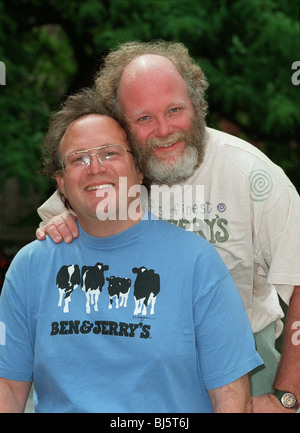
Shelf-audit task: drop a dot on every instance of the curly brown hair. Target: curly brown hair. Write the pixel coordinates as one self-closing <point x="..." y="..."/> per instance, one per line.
<point x="108" y="78"/>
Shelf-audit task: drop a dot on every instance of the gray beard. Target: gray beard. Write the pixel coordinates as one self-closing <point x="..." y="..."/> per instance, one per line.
<point x="164" y="171"/>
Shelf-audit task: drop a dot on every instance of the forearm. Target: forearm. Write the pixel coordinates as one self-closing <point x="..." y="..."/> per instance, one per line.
<point x="288" y="375"/>
<point x="52" y="207"/>
<point x="232" y="398"/>
<point x="13" y="396"/>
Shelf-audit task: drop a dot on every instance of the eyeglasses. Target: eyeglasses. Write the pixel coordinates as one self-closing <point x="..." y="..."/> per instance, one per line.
<point x="76" y="162"/>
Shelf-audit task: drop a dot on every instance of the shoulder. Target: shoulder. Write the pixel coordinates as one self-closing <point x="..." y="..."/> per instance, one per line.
<point x="194" y="255"/>
<point x="188" y="242"/>
<point x="35" y="254"/>
<point x="232" y="143"/>
<point x="37" y="247"/>
<point x="236" y="154"/>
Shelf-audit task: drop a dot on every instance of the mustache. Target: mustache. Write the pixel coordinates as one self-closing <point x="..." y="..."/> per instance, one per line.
<point x="172" y="138"/>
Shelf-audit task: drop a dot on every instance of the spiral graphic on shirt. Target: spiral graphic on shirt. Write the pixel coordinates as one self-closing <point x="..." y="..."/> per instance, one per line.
<point x="261" y="185"/>
<point x="221" y="207"/>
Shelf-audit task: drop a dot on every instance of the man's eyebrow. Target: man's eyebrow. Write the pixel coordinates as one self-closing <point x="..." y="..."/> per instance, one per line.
<point x="92" y="148"/>
<point x="138" y="113"/>
<point x="145" y="112"/>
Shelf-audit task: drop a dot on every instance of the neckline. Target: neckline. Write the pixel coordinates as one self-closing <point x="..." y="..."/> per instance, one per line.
<point x="120" y="238"/>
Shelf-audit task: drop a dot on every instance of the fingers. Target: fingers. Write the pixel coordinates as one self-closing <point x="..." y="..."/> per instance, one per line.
<point x="60" y="227"/>
<point x="53" y="228"/>
<point x="40" y="234"/>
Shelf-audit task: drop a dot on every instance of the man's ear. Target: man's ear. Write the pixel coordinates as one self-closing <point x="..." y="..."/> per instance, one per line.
<point x="60" y="182"/>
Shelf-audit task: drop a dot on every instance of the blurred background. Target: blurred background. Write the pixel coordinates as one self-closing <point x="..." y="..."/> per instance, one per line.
<point x="52" y="48"/>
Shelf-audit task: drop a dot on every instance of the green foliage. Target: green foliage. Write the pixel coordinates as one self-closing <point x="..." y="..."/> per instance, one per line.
<point x="252" y="73"/>
<point x="52" y="48"/>
<point x="37" y="76"/>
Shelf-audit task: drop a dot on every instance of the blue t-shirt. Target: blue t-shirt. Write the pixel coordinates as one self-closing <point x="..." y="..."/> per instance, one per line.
<point x="143" y="321"/>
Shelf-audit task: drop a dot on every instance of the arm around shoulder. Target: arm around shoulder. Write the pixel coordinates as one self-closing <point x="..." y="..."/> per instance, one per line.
<point x="59" y="223"/>
<point x="51" y="207"/>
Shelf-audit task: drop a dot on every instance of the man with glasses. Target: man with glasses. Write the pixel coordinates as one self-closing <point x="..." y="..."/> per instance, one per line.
<point x="136" y="315"/>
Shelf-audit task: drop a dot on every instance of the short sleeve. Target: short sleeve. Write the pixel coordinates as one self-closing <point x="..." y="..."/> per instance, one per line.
<point x="279" y="240"/>
<point x="16" y="354"/>
<point x="224" y="337"/>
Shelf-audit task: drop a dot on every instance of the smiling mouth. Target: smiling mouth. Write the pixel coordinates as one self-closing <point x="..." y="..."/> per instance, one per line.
<point x="169" y="146"/>
<point x="166" y="145"/>
<point x="97" y="187"/>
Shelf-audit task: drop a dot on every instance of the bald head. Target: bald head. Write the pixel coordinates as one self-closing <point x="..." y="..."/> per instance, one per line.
<point x="148" y="63"/>
<point x="144" y="71"/>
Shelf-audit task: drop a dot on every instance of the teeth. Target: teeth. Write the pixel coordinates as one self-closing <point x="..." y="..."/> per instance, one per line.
<point x="166" y="144"/>
<point x="106" y="185"/>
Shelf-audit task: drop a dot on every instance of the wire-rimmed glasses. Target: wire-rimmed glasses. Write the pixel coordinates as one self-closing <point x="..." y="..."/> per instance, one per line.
<point x="74" y="163"/>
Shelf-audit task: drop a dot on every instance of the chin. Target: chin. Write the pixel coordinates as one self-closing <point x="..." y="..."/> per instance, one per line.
<point x="172" y="169"/>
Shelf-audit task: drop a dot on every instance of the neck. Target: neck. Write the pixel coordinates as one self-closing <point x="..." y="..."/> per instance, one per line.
<point x="108" y="227"/>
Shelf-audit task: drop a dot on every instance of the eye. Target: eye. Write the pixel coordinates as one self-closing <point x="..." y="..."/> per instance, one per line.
<point x="109" y="154"/>
<point x="143" y="119"/>
<point x="175" y="110"/>
<point x="78" y="159"/>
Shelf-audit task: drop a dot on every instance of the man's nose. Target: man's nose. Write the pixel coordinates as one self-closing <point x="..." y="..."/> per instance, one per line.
<point x="96" y="164"/>
<point x="163" y="126"/>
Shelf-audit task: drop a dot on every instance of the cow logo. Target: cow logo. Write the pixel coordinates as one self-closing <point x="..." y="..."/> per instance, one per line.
<point x="146" y="288"/>
<point x="92" y="280"/>
<point x="118" y="288"/>
<point x="67" y="280"/>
